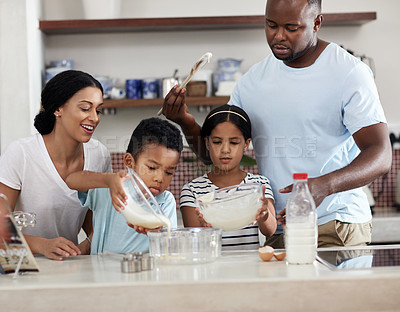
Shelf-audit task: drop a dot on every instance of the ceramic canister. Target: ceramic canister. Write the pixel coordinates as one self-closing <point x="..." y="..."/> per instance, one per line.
<point x="150" y="88"/>
<point x="168" y="84"/>
<point x="133" y="88"/>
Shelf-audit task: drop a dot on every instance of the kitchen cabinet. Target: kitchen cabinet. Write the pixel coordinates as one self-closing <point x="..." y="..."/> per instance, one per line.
<point x="60" y="27"/>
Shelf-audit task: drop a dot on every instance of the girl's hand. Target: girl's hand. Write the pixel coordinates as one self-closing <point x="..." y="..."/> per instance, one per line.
<point x="118" y="196"/>
<point x="203" y="222"/>
<point x="263" y="212"/>
<point x="59" y="248"/>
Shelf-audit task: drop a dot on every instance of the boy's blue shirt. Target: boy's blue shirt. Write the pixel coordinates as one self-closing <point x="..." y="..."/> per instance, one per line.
<point x="110" y="230"/>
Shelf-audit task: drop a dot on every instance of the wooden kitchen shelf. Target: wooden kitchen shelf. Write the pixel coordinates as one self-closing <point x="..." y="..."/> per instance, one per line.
<point x="190" y="101"/>
<point x="184" y="23"/>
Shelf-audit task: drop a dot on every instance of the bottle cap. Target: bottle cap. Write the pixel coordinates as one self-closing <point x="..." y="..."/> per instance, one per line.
<point x="300" y="176"/>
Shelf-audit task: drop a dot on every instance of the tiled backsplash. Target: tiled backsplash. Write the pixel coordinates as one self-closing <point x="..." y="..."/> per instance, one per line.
<point x="383" y="189"/>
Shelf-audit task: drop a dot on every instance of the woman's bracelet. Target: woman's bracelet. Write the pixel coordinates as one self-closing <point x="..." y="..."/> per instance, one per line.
<point x="88" y="239"/>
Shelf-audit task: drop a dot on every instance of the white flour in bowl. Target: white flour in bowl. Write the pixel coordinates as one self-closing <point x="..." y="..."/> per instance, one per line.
<point x="232" y="214"/>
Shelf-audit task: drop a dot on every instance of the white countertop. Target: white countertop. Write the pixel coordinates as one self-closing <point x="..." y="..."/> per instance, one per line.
<point x="386" y="228"/>
<point x="238" y="281"/>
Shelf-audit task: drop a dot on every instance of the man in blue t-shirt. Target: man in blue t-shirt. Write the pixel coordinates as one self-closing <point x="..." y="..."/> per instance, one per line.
<point x="314" y="108"/>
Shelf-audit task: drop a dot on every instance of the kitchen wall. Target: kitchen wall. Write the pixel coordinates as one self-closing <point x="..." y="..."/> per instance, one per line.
<point x="157" y="54"/>
<point x="21" y="62"/>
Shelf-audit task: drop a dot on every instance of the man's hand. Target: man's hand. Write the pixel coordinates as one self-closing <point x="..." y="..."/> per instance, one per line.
<point x="175" y="108"/>
<point x="319" y="189"/>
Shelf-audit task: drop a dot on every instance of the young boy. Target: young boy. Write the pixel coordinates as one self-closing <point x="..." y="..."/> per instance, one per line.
<point x="153" y="153"/>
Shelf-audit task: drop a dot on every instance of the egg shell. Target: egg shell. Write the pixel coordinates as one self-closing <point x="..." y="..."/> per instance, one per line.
<point x="280" y="255"/>
<point x="266" y="253"/>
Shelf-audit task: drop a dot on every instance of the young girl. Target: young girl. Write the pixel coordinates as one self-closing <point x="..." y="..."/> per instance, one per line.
<point x="227" y="134"/>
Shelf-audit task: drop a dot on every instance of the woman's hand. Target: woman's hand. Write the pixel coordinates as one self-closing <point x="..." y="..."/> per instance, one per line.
<point x="59" y="248"/>
<point x="84" y="247"/>
<point x="118" y="196"/>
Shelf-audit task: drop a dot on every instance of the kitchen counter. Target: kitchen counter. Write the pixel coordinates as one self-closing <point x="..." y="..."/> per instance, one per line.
<point x="386" y="228"/>
<point x="237" y="281"/>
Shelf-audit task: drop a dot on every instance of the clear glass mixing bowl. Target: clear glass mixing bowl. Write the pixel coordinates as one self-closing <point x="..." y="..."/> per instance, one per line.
<point x="185" y="246"/>
<point x="233" y="207"/>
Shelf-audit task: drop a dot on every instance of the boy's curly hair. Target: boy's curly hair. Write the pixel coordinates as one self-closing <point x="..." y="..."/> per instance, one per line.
<point x="154" y="131"/>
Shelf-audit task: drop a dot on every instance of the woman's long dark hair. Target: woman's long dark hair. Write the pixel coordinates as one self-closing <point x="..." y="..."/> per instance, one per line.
<point x="57" y="92"/>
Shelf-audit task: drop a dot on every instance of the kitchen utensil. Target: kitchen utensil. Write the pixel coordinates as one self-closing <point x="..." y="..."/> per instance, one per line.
<point x="206" y="58"/>
<point x="233" y="207"/>
<point x="24" y="219"/>
<point x="167" y="84"/>
<point x="147" y="262"/>
<point x="131" y="264"/>
<point x="185" y="245"/>
<point x="142" y="208"/>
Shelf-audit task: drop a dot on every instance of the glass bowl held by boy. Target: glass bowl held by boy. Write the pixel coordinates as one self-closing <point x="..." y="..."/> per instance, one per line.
<point x="142" y="208"/>
<point x="231" y="208"/>
<point x="185" y="246"/>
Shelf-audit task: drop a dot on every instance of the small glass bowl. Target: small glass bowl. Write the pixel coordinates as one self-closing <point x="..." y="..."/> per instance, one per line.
<point x="185" y="246"/>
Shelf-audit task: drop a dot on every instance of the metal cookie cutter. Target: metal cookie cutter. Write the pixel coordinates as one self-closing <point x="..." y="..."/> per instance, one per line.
<point x="147" y="262"/>
<point x="131" y="263"/>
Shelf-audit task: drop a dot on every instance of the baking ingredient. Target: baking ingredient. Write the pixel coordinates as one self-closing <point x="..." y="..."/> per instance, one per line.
<point x="266" y="253"/>
<point x="136" y="215"/>
<point x="300" y="243"/>
<point x="280" y="255"/>
<point x="301" y="223"/>
<point x="233" y="214"/>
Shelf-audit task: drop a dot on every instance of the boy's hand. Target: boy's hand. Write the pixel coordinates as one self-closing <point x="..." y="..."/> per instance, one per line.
<point x="141" y="229"/>
<point x="118" y="196"/>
